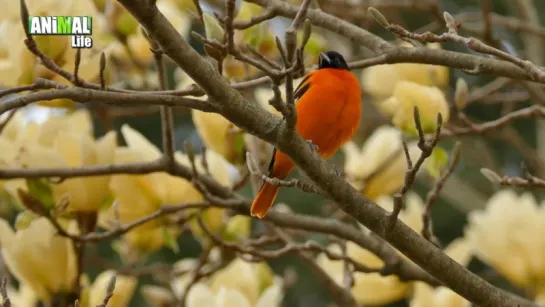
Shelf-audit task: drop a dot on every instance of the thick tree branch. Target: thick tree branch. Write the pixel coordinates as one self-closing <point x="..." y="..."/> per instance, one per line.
<point x="391" y="54"/>
<point x="86" y="95"/>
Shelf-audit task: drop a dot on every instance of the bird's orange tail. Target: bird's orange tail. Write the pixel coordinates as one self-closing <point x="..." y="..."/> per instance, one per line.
<point x="264" y="200"/>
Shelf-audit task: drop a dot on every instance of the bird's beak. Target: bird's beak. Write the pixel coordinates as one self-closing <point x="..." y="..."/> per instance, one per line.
<point x="323" y="58"/>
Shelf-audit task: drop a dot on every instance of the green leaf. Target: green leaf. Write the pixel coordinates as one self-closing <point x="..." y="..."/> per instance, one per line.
<point x="436" y="162"/>
<point x="24" y="219"/>
<point x="170" y="241"/>
<point x="42" y="191"/>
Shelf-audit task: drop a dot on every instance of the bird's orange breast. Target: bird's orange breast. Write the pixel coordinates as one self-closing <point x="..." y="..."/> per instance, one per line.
<point x="329" y="111"/>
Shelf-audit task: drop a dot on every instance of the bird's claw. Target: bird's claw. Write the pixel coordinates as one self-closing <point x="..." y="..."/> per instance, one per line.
<point x="338" y="172"/>
<point x="313" y="146"/>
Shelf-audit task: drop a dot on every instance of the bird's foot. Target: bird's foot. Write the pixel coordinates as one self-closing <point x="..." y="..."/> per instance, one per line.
<point x="338" y="172"/>
<point x="313" y="146"/>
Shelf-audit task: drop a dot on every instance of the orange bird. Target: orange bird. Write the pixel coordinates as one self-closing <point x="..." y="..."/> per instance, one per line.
<point x="328" y="112"/>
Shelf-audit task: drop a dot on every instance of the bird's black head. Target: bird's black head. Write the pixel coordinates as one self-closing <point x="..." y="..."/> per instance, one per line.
<point x="332" y="59"/>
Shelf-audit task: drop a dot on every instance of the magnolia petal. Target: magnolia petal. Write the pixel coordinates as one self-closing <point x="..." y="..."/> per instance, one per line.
<point x="380" y="80"/>
<point x="231" y="298"/>
<point x="138" y="142"/>
<point x="156" y="296"/>
<point x="424" y="295"/>
<point x="212" y="129"/>
<point x="40" y="259"/>
<point x="271" y="297"/>
<point x="123" y="292"/>
<point x="459" y="250"/>
<point x="200" y="295"/>
<point x="239" y="275"/>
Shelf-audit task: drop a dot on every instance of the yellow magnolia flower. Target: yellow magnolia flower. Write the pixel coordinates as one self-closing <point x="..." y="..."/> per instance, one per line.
<point x="39" y="258"/>
<point x="213" y="130"/>
<point x="506" y="236"/>
<point x="15" y="60"/>
<point x="18" y="66"/>
<point x="56" y="144"/>
<point x="19" y="133"/>
<point x="540" y="299"/>
<point x="138" y="45"/>
<point x="429" y="100"/>
<point x="119" y="19"/>
<point x="182" y="280"/>
<point x="380" y="80"/>
<point x="123" y="292"/>
<point x="78" y="150"/>
<point x="424" y="295"/>
<point x="22" y="297"/>
<point x="216" y="132"/>
<point x="15" y="126"/>
<point x="240" y="284"/>
<point x="378" y="168"/>
<point x="372" y="288"/>
<point x="248" y="10"/>
<point x="140" y="195"/>
<point x="79" y="122"/>
<point x="186" y="6"/>
<point x="157" y="296"/>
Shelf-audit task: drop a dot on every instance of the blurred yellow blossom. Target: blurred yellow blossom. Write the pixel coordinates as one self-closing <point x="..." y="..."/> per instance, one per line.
<point x="137" y="45"/>
<point x="86" y="194"/>
<point x="506" y="236"/>
<point x="219" y="135"/>
<point x="213" y="129"/>
<point x="248" y="10"/>
<point x="186" y="6"/>
<point x="214" y="218"/>
<point x="140" y="195"/>
<point x="239" y="284"/>
<point x="66" y="141"/>
<point x="123" y="292"/>
<point x="425" y="295"/>
<point x="378" y="168"/>
<point x="39" y="258"/>
<point x="372" y="288"/>
<point x="22" y="297"/>
<point x="187" y="267"/>
<point x="540" y="299"/>
<point x="379" y="81"/>
<point x="407" y="95"/>
<point x="19" y="66"/>
<point x="235" y="70"/>
<point x="156" y="296"/>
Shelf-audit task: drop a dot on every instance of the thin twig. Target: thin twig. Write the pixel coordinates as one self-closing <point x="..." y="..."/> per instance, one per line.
<point x="305" y="186"/>
<point x="167" y="116"/>
<point x="6" y="302"/>
<point x="432" y="196"/>
<point x="410" y="176"/>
